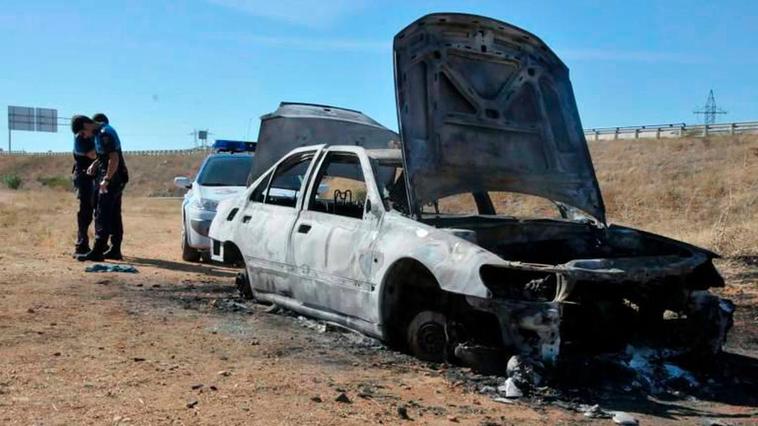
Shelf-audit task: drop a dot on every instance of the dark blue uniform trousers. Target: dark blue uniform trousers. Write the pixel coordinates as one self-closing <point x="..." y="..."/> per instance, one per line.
<point x="108" y="217"/>
<point x="85" y="192"/>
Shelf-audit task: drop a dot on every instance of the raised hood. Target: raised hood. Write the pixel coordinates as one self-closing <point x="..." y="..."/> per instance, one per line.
<point x="485" y="106"/>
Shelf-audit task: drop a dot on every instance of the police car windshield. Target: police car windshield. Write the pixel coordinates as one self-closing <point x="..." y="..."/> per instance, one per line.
<point x="226" y="171"/>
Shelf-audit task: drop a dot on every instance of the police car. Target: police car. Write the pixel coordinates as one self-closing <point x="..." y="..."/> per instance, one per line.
<point x="223" y="174"/>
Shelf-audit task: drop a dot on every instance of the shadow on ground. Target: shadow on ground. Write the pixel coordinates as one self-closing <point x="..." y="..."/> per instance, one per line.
<point x="198" y="268"/>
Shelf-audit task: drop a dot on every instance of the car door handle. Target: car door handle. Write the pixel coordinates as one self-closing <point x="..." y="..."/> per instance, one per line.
<point x="246" y="219"/>
<point x="303" y="228"/>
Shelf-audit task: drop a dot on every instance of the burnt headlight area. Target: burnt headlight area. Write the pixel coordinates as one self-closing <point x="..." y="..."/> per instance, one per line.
<point x="517" y="284"/>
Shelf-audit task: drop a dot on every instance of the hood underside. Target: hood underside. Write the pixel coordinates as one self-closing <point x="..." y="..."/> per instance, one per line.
<point x="485" y="106"/>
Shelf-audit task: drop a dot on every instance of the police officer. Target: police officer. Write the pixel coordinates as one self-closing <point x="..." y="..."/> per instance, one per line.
<point x="84" y="155"/>
<point x="111" y="175"/>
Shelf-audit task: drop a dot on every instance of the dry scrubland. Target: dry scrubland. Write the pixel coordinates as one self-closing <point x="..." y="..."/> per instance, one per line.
<point x="170" y="344"/>
<point x="704" y="191"/>
<point x="150" y="175"/>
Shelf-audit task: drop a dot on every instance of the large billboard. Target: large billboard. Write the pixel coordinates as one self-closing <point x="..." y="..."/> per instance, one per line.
<point x="21" y="118"/>
<point x="32" y="119"/>
<point x="46" y="120"/>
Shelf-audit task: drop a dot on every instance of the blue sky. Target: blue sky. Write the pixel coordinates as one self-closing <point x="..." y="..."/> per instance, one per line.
<point x="162" y="69"/>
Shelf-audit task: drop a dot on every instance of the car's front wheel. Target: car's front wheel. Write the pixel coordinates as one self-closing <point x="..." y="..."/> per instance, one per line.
<point x="188" y="253"/>
<point x="427" y="336"/>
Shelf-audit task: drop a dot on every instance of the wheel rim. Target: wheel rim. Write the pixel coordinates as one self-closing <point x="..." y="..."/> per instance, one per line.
<point x="431" y="338"/>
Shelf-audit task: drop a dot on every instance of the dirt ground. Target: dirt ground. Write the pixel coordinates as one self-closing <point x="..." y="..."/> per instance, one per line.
<point x="172" y="344"/>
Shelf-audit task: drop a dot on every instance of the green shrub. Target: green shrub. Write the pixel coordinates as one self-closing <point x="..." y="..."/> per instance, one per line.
<point x="55" y="182"/>
<point x="12" y="181"/>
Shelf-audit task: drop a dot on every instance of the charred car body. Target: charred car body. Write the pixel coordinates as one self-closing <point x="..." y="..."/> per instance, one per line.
<point x="347" y="227"/>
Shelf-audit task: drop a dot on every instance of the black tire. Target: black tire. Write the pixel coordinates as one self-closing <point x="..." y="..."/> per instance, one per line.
<point x="188" y="253"/>
<point x="427" y="336"/>
<point x="243" y="285"/>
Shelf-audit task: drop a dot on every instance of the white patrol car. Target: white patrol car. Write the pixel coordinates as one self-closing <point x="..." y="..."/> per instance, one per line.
<point x="223" y="174"/>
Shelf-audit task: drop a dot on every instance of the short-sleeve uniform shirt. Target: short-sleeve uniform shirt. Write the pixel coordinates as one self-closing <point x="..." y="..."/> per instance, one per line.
<point x="107" y="142"/>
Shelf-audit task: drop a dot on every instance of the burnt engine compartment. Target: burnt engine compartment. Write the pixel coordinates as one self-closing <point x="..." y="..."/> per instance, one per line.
<point x="616" y="286"/>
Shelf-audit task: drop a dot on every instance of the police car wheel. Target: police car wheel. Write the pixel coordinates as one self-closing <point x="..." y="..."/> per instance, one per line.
<point x="188" y="253"/>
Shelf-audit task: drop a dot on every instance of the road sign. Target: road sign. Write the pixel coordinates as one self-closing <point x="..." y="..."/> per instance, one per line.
<point x="202" y="135"/>
<point x="21" y="118"/>
<point x="46" y="120"/>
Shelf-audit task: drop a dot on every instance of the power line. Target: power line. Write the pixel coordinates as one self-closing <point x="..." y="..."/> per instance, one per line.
<point x="710" y="110"/>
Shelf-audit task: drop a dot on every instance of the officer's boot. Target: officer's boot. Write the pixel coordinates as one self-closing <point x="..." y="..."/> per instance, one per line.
<point x="114" y="252"/>
<point x="96" y="254"/>
<point x="81" y="249"/>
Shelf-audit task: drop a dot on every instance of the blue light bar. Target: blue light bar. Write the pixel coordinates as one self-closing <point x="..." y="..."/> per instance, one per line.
<point x="222" y="145"/>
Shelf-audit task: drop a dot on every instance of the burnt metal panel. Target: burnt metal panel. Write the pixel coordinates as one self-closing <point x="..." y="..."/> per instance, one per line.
<point x="486" y="106"/>
<point x="295" y="125"/>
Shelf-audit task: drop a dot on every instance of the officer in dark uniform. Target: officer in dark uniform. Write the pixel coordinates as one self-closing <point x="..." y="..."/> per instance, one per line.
<point x="111" y="178"/>
<point x="84" y="155"/>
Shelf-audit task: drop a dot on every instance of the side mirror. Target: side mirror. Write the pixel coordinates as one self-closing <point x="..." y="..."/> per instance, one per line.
<point x="182" y="182"/>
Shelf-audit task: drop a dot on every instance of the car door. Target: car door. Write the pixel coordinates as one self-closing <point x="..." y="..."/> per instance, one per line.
<point x="267" y="222"/>
<point x="332" y="240"/>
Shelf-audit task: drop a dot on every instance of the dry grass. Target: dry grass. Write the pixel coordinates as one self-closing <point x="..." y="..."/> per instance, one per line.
<point x="150" y="175"/>
<point x="703" y="191"/>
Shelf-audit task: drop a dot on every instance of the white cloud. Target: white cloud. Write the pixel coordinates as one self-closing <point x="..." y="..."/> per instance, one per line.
<point x="308" y="13"/>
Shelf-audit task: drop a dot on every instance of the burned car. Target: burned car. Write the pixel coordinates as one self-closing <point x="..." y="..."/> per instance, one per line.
<point x="350" y="225"/>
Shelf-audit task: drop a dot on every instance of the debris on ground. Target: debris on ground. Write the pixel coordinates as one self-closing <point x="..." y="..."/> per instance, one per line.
<point x="510" y="389"/>
<point x="654" y="372"/>
<point x="231" y="305"/>
<point x="594" y="412"/>
<point x="342" y="397"/>
<point x="402" y="411"/>
<point x="624" y="419"/>
<point x="192" y="403"/>
<point x="105" y="267"/>
<point x="524" y="373"/>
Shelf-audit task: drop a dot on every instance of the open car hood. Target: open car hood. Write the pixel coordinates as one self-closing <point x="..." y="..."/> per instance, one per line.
<point x="485" y="106"/>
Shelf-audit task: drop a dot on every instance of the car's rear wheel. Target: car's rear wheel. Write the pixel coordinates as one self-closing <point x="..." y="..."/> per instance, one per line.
<point x="427" y="336"/>
<point x="188" y="253"/>
<point x="243" y="285"/>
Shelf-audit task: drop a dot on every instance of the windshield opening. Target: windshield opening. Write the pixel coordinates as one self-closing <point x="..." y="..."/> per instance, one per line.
<point x="508" y="204"/>
<point x="226" y="171"/>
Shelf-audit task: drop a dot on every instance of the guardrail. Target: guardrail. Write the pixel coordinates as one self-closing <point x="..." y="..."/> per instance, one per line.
<point x="154" y="152"/>
<point x="672" y="130"/>
<point x="657" y="131"/>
